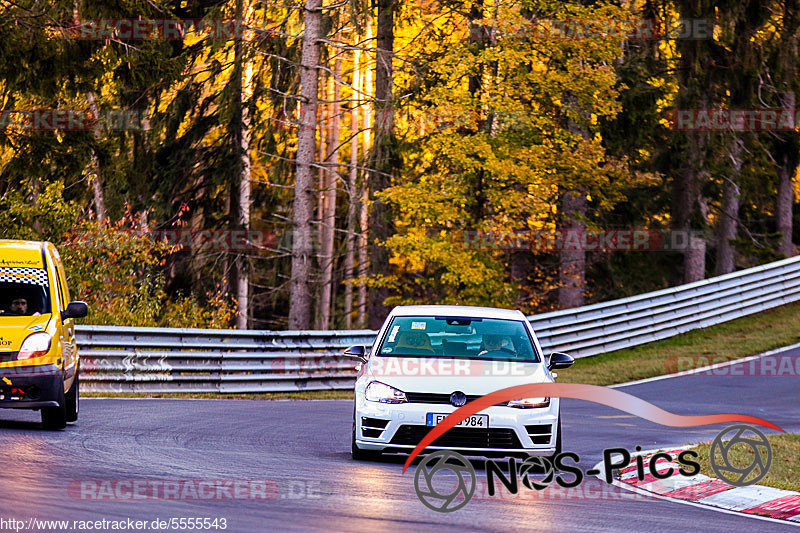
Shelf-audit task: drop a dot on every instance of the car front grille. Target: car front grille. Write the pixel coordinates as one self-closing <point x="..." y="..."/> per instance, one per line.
<point x="459" y="437"/>
<point x="428" y="397"/>
<point x="540" y="433"/>
<point x="372" y="427"/>
<point x="8" y="356"/>
<point x="436" y="398"/>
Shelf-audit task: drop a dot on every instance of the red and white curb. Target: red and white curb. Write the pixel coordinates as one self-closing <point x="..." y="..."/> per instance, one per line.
<point x="761" y="502"/>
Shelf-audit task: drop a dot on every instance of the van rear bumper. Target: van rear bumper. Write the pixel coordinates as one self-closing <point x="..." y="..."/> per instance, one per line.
<point x="30" y="387"/>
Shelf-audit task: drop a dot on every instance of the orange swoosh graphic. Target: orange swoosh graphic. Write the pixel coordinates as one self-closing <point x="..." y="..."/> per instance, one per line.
<point x="591" y="393"/>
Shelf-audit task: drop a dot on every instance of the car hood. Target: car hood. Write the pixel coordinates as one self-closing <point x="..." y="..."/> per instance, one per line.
<point x="446" y="375"/>
<point x="15" y="329"/>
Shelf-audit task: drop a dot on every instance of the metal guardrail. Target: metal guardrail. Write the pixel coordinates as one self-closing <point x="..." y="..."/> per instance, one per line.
<point x="168" y="360"/>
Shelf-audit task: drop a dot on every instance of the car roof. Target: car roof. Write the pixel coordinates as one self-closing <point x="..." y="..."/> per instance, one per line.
<point x="457" y="310"/>
<point x="21" y="245"/>
<point x="15" y="253"/>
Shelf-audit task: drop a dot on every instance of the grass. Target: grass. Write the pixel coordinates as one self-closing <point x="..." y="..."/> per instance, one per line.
<point x="732" y="340"/>
<point x="785" y="470"/>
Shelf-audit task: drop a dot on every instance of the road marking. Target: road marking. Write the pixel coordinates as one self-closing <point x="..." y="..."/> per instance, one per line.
<point x="643" y="492"/>
<point x="739" y="498"/>
<point x="787" y="507"/>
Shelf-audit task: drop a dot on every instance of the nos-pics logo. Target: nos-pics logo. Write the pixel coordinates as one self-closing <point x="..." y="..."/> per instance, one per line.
<point x="445" y="481"/>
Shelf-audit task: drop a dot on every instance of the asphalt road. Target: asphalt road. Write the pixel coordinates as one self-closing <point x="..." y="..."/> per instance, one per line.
<point x="302" y="449"/>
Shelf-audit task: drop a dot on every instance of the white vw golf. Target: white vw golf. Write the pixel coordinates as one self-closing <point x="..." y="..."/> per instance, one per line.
<point x="429" y="360"/>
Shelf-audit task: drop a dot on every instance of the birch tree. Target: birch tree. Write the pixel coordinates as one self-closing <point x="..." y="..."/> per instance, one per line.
<point x="302" y="252"/>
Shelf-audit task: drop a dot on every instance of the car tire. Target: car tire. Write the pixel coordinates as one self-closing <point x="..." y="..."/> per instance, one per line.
<point x="357" y="453"/>
<point x="56" y="417"/>
<point x="73" y="399"/>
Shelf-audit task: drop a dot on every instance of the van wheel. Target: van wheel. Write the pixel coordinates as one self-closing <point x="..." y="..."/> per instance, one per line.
<point x="56" y="417"/>
<point x="73" y="397"/>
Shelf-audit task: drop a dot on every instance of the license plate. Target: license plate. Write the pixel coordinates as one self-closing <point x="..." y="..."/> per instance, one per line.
<point x="474" y="421"/>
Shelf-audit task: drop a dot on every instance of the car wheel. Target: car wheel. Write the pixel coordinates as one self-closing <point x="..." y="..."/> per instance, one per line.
<point x="73" y="398"/>
<point x="359" y="454"/>
<point x="56" y="417"/>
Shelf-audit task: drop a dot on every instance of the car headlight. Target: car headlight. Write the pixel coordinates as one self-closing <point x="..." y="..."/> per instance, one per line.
<point x="529" y="403"/>
<point x="36" y="345"/>
<point x="383" y="393"/>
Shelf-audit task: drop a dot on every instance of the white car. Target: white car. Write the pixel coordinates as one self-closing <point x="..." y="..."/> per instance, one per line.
<point x="429" y="360"/>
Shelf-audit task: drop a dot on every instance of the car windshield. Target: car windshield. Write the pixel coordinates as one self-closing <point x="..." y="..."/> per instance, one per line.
<point x="24" y="292"/>
<point x="458" y="337"/>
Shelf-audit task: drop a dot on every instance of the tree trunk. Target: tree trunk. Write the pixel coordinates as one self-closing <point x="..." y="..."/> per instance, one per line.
<point x="787" y="164"/>
<point x="324" y="133"/>
<point x="300" y="294"/>
<point x="694" y="256"/>
<point x="97" y="179"/>
<point x="352" y="206"/>
<point x="383" y="159"/>
<point x="744" y="61"/>
<point x="729" y="216"/>
<point x="696" y="91"/>
<point x="363" y="262"/>
<point x="363" y="220"/>
<point x="323" y="130"/>
<point x="572" y="263"/>
<point x="784" y="211"/>
<point x="240" y="206"/>
<point x="329" y="220"/>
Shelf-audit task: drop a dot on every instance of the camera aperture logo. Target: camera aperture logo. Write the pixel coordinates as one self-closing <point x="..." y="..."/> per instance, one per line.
<point x="448" y="465"/>
<point x="760" y="448"/>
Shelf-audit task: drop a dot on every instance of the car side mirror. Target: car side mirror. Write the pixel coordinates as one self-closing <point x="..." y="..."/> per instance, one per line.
<point x="559" y="360"/>
<point x="357" y="352"/>
<point x="75" y="310"/>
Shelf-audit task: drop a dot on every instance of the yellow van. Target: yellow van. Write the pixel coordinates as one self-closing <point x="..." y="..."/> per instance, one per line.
<point x="39" y="363"/>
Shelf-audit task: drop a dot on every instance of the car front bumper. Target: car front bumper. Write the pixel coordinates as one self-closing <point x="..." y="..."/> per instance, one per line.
<point x="511" y="431"/>
<point x="30" y="387"/>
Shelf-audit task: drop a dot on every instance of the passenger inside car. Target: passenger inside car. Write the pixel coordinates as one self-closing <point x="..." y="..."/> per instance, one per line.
<point x="414" y="343"/>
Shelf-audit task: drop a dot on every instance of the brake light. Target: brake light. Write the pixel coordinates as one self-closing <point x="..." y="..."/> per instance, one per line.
<point x="36" y="345"/>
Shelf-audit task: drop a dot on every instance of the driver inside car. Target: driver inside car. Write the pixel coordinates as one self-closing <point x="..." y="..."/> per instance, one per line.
<point x="496" y="343"/>
<point x="19" y="306"/>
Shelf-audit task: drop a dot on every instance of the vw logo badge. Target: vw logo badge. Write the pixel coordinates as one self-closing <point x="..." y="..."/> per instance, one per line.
<point x="458" y="399"/>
